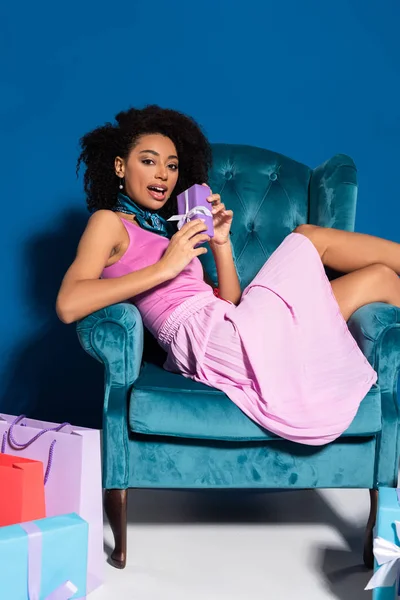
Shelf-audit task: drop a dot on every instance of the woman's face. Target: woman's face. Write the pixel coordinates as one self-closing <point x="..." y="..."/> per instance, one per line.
<point x="150" y="171"/>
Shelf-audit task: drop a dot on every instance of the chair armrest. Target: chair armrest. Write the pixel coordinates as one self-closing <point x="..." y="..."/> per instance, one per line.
<point x="376" y="328"/>
<point x="333" y="193"/>
<point x="114" y="336"/>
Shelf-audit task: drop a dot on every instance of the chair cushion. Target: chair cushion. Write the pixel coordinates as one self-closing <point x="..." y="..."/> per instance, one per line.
<point x="167" y="404"/>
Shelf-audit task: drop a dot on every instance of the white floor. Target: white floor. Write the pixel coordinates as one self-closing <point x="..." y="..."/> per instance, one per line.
<point x="242" y="546"/>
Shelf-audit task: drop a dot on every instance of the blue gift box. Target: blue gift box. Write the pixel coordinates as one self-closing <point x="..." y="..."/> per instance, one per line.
<point x="52" y="557"/>
<point x="388" y="513"/>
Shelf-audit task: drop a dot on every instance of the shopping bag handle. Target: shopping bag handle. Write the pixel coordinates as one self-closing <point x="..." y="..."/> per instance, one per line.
<point x="10" y="438"/>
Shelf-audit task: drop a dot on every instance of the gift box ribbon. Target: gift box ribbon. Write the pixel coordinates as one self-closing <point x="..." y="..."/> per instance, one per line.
<point x="185" y="218"/>
<point x="387" y="555"/>
<point x="65" y="591"/>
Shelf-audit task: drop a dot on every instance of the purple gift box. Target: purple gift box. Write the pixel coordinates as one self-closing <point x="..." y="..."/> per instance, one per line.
<point x="192" y="204"/>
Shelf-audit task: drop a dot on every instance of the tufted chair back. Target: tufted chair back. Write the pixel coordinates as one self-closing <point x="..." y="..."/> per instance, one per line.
<point x="271" y="194"/>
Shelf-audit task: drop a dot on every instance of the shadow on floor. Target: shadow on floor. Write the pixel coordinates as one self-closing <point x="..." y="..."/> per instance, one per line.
<point x="341" y="568"/>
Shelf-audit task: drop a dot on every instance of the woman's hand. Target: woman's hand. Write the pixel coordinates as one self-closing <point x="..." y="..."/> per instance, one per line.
<point x="222" y="220"/>
<point x="181" y="249"/>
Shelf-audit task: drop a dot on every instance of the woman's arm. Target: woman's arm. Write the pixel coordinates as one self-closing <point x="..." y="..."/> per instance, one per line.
<point x="82" y="292"/>
<point x="228" y="281"/>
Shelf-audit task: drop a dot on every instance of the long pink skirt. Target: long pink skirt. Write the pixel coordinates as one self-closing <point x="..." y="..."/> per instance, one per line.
<point x="284" y="355"/>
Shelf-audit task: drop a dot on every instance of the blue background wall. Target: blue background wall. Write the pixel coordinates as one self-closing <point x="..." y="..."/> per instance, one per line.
<point x="307" y="79"/>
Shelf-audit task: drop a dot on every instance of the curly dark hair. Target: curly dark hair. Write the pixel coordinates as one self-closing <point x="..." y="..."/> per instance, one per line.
<point x="103" y="144"/>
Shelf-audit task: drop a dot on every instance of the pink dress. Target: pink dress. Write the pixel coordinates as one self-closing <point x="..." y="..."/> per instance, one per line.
<point x="284" y="355"/>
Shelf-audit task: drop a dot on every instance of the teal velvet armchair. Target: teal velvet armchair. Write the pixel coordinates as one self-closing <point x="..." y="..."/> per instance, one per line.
<point x="164" y="431"/>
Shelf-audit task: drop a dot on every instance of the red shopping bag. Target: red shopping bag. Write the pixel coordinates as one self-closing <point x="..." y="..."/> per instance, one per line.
<point x="21" y="490"/>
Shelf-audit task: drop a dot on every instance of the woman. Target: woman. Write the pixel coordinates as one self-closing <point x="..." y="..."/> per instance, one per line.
<point x="281" y="350"/>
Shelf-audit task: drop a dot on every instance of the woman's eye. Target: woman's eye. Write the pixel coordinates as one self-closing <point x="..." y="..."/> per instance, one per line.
<point x="173" y="167"/>
<point x="147" y="161"/>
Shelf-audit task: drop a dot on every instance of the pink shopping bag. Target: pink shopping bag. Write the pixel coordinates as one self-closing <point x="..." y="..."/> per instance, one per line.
<point x="72" y="463"/>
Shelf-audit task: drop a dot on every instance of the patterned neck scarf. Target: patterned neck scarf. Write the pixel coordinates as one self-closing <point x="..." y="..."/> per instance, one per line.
<point x="147" y="219"/>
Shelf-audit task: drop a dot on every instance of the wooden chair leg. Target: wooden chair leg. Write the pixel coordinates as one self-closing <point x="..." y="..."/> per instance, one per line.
<point x="115" y="505"/>
<point x="368" y="544"/>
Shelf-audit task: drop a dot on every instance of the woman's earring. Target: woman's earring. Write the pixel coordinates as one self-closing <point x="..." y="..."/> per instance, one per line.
<point x="121" y="185"/>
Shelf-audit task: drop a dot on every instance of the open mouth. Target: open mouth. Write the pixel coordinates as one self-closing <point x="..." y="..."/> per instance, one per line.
<point x="158" y="192"/>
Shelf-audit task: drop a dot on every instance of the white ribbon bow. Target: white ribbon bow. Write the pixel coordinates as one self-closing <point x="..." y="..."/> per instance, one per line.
<point x="197" y="210"/>
<point x="387" y="556"/>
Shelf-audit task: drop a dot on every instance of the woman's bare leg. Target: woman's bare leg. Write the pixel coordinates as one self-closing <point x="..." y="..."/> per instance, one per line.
<point x="345" y="251"/>
<point x="376" y="283"/>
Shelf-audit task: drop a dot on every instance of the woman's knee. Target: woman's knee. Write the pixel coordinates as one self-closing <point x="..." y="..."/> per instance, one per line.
<point x="383" y="283"/>
<point x="306" y="229"/>
<point x="375" y="283"/>
<point x="381" y="274"/>
<point x="315" y="234"/>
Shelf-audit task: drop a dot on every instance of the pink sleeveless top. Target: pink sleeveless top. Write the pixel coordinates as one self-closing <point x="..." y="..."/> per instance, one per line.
<point x="156" y="305"/>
